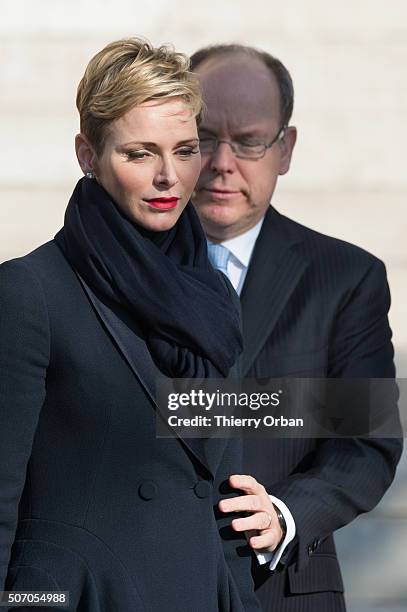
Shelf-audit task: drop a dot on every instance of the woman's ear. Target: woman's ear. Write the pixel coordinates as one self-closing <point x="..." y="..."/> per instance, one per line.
<point x="85" y="154"/>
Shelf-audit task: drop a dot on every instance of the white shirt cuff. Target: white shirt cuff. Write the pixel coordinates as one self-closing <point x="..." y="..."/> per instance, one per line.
<point x="274" y="557"/>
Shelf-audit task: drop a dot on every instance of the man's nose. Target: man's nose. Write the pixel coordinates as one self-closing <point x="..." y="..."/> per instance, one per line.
<point x="223" y="160"/>
<point x="166" y="175"/>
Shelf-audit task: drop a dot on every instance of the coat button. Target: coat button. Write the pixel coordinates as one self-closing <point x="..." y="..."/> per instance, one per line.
<point x="202" y="489"/>
<point x="148" y="490"/>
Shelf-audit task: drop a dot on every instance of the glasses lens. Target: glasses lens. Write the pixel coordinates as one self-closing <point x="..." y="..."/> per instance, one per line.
<point x="240" y="149"/>
<point x="252" y="151"/>
<point x="207" y="145"/>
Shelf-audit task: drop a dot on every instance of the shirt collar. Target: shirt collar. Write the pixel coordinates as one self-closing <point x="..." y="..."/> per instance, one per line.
<point x="242" y="246"/>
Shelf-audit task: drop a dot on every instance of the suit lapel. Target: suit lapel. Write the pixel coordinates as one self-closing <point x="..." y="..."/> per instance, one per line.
<point x="209" y="452"/>
<point x="275" y="268"/>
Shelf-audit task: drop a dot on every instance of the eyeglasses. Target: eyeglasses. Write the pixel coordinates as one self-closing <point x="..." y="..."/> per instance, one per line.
<point x="241" y="148"/>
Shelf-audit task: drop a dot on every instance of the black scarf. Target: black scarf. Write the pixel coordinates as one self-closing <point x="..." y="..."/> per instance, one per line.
<point x="162" y="279"/>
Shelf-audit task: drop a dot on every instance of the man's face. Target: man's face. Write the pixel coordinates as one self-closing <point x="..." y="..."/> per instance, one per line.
<point x="243" y="104"/>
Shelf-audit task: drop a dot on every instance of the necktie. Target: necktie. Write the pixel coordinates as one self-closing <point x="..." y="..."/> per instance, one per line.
<point x="219" y="257"/>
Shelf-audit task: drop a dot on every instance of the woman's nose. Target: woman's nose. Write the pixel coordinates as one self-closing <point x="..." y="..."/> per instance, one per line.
<point x="166" y="175"/>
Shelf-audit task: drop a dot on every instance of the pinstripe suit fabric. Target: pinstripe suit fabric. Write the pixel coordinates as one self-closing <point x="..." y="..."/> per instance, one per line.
<point x="314" y="306"/>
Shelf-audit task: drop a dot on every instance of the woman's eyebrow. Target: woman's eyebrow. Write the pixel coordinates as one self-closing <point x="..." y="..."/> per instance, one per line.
<point x="188" y="141"/>
<point x="141" y="143"/>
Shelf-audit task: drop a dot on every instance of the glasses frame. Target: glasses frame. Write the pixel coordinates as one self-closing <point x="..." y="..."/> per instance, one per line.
<point x="280" y="135"/>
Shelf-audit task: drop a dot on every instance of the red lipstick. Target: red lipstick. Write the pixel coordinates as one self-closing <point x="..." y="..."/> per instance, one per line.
<point x="163" y="203"/>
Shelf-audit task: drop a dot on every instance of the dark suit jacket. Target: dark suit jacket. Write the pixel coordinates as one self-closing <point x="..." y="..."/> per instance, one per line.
<point x="91" y="502"/>
<point x="314" y="306"/>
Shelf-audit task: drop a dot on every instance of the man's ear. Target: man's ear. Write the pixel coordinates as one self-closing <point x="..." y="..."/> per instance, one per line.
<point x="85" y="153"/>
<point x="287" y="146"/>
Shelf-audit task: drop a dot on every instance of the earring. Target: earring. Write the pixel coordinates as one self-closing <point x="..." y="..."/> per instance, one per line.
<point x="90" y="175"/>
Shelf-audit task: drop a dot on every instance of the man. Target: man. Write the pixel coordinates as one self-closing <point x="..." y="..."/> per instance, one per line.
<point x="312" y="306"/>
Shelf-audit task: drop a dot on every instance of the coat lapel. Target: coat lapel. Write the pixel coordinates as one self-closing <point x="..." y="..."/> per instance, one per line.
<point x="209" y="452"/>
<point x="275" y="268"/>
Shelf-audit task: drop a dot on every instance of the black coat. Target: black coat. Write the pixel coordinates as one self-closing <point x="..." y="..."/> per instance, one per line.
<point x="91" y="502"/>
<point x="314" y="306"/>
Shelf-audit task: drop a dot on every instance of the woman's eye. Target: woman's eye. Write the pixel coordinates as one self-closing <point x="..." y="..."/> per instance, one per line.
<point x="188" y="151"/>
<point x="137" y="154"/>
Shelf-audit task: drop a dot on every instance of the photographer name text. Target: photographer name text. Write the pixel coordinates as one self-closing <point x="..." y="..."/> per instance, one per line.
<point x="234" y="422"/>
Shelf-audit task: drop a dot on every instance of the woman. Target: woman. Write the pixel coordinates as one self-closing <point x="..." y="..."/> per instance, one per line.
<point x="90" y="501"/>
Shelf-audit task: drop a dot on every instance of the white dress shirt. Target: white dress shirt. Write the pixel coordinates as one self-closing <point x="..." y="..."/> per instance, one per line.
<point x="241" y="249"/>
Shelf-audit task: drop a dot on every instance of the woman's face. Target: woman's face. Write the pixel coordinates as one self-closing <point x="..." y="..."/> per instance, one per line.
<point x="151" y="162"/>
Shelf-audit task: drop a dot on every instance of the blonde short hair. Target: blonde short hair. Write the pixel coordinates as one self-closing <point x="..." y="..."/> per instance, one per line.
<point x="127" y="73"/>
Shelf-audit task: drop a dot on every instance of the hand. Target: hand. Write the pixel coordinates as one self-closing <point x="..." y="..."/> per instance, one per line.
<point x="263" y="524"/>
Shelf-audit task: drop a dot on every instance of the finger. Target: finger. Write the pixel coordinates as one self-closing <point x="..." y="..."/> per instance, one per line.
<point x="241" y="503"/>
<point x="259" y="521"/>
<point x="246" y="483"/>
<point x="266" y="541"/>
